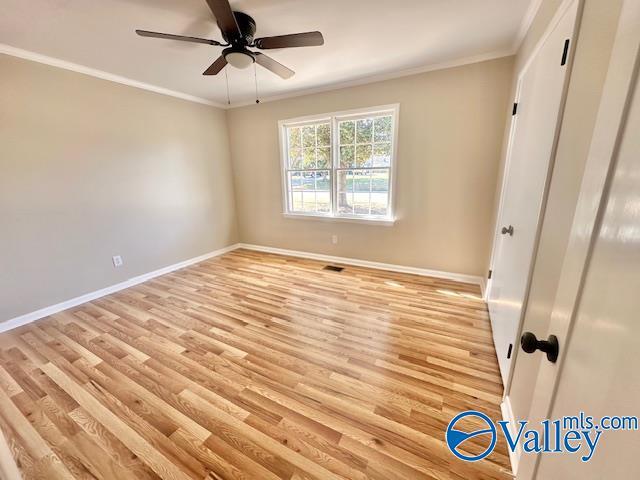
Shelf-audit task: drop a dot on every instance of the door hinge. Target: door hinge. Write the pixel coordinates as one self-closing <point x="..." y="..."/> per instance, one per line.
<point x="565" y="52"/>
<point x="490" y="273"/>
<point x="509" y="351"/>
<point x="515" y="108"/>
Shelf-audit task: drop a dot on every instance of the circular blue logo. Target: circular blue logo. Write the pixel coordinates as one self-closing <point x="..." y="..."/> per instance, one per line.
<point x="455" y="438"/>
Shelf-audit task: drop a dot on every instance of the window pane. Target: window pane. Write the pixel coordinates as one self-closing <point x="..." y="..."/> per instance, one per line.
<point x="323" y="192"/>
<point x="382" y="129"/>
<point x="324" y="134"/>
<point x="308" y="181"/>
<point x="324" y="157"/>
<point x="295" y="158"/>
<point x="296" y="204"/>
<point x="303" y="152"/>
<point x="361" y="188"/>
<point x="308" y="202"/>
<point x="361" y="181"/>
<point x="360" y="208"/>
<point x="309" y="136"/>
<point x="363" y="192"/>
<point x="347" y="156"/>
<point x="345" y="193"/>
<point x="363" y="155"/>
<point x="347" y="132"/>
<point x="309" y="158"/>
<point x="380" y="192"/>
<point x="382" y="155"/>
<point x="295" y="181"/>
<point x="364" y="130"/>
<point x="323" y="181"/>
<point x="295" y="139"/>
<point x="310" y="191"/>
<point x="323" y="200"/>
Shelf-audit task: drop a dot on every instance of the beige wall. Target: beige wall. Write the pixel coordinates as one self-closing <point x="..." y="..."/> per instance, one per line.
<point x="450" y="133"/>
<point x="597" y="31"/>
<point x="91" y="169"/>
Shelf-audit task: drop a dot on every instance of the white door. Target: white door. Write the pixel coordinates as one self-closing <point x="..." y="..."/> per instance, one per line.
<point x="540" y="98"/>
<point x="596" y="314"/>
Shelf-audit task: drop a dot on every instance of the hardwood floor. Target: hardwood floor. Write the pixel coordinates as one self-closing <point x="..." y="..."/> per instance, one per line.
<point x="254" y="366"/>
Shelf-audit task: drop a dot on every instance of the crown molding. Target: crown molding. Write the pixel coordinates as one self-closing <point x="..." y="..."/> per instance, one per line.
<point x="381" y="77"/>
<point x="74" y="67"/>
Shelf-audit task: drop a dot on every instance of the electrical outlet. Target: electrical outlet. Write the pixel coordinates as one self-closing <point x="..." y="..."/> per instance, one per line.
<point x="117" y="261"/>
<point x="334" y="239"/>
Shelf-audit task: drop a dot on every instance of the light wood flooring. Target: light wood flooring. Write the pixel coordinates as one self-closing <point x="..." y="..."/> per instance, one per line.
<point x="254" y="366"/>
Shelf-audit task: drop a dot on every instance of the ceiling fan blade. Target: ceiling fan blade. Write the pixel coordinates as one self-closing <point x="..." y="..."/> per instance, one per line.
<point x="225" y="18"/>
<point x="307" y="39"/>
<point x="216" y="66"/>
<point x="276" y="67"/>
<point x="170" y="36"/>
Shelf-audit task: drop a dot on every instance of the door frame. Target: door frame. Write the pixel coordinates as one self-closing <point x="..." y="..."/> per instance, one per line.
<point x="562" y="9"/>
<point x="617" y="97"/>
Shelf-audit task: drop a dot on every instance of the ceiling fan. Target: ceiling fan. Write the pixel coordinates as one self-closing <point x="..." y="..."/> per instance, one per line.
<point x="238" y="30"/>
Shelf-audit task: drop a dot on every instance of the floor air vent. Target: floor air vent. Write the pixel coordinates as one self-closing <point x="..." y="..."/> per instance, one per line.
<point x="333" y="268"/>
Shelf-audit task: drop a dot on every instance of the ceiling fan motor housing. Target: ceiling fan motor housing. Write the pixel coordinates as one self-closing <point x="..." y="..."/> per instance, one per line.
<point x="247" y="26"/>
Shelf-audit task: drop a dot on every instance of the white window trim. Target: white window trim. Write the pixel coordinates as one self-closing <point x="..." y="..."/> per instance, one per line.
<point x="334" y="117"/>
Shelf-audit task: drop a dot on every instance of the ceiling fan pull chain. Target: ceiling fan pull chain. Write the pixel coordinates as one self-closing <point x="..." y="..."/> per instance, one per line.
<point x="226" y="76"/>
<point x="255" y="77"/>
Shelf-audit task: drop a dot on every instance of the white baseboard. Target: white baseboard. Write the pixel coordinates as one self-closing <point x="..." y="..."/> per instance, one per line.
<point x="458" y="277"/>
<point x="74" y="302"/>
<point x="483" y="288"/>
<point x="58" y="307"/>
<point x="507" y="415"/>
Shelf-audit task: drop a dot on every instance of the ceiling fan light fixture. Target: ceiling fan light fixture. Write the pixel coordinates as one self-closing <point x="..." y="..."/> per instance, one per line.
<point x="239" y="60"/>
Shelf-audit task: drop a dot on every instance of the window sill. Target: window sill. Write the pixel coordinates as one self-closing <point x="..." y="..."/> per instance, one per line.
<point x="387" y="222"/>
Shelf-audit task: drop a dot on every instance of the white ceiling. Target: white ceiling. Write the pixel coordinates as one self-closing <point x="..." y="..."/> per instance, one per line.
<point x="363" y="38"/>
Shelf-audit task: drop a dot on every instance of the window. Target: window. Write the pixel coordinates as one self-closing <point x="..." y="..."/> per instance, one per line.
<point x="340" y="165"/>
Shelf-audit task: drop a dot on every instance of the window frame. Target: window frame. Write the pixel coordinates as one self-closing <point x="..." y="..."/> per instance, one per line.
<point x="334" y="118"/>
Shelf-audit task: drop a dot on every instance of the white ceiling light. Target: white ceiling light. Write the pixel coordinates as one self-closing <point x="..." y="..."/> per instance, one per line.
<point x="239" y="59"/>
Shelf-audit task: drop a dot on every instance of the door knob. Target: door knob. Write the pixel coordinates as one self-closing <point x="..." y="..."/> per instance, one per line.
<point x="509" y="230"/>
<point x="550" y="346"/>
